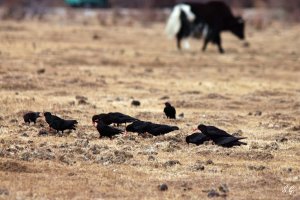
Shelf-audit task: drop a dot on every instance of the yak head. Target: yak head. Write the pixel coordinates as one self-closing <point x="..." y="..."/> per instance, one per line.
<point x="238" y="27"/>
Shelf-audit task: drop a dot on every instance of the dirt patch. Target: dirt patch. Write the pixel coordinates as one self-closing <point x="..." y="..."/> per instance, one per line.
<point x="246" y="91"/>
<point x="11" y="166"/>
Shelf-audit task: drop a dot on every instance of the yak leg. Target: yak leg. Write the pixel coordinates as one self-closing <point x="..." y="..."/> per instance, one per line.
<point x="178" y="43"/>
<point x="216" y="37"/>
<point x="208" y="36"/>
<point x="219" y="42"/>
<point x="205" y="43"/>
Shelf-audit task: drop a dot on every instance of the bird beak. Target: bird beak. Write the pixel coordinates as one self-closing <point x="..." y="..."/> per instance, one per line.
<point x="195" y="129"/>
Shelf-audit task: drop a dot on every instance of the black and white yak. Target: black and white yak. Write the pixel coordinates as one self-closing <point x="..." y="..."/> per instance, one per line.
<point x="203" y="19"/>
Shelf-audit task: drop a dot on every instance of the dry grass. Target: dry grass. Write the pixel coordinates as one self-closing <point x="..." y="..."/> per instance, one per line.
<point x="112" y="65"/>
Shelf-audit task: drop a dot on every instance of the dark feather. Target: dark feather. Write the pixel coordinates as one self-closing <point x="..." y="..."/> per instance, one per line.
<point x="58" y="123"/>
<point x="229" y="141"/>
<point x="212" y="131"/>
<point x="107" y="131"/>
<point x="113" y="118"/>
<point x="170" y="111"/>
<point x="31" y="117"/>
<point x="149" y="127"/>
<point x="220" y="137"/>
<point x="196" y="138"/>
<point x="161" y="129"/>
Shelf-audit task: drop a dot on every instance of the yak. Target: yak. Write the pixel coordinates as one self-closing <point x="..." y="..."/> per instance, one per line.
<point x="204" y="19"/>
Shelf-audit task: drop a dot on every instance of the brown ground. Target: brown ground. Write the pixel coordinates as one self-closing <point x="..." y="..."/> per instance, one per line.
<point x="115" y="64"/>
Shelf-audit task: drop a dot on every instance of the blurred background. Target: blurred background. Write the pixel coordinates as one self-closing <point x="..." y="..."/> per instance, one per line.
<point x="259" y="13"/>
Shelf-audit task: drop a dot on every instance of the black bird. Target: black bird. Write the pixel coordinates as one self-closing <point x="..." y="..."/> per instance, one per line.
<point x="170" y="111"/>
<point x="31" y="117"/>
<point x="113" y="118"/>
<point x="220" y="137"/>
<point x="196" y="138"/>
<point x="149" y="127"/>
<point x="135" y="103"/>
<point x="230" y="141"/>
<point x="59" y="124"/>
<point x="138" y="127"/>
<point x="105" y="130"/>
<point x="212" y="131"/>
<point x="161" y="129"/>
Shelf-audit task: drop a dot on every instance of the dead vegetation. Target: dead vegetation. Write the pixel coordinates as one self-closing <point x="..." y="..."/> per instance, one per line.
<point x="250" y="91"/>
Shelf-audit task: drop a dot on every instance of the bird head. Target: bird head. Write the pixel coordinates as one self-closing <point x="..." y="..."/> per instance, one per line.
<point x="47" y="114"/>
<point x="95" y="122"/>
<point x="94" y="118"/>
<point x="167" y="104"/>
<point x="202" y="128"/>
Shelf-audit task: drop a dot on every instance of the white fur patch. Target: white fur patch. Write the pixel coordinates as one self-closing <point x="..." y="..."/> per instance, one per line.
<point x="186" y="44"/>
<point x="173" y="23"/>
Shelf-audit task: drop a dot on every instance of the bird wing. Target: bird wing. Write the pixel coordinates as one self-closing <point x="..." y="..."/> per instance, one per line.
<point x="135" y="126"/>
<point x="213" y="131"/>
<point x="173" y="110"/>
<point x="143" y="128"/>
<point x="68" y="124"/>
<point x="56" y="124"/>
<point x="107" y="130"/>
<point x="106" y="118"/>
<point x="54" y="117"/>
<point x="224" y="140"/>
<point x="165" y="110"/>
<point x="228" y="141"/>
<point x="197" y="138"/>
<point x="121" y="118"/>
<point x="127" y="119"/>
<point x="160" y="129"/>
<point x="49" y="120"/>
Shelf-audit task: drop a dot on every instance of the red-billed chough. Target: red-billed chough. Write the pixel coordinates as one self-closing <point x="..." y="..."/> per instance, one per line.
<point x="138" y="126"/>
<point x="31" y="117"/>
<point x="161" y="129"/>
<point x="113" y="118"/>
<point x="229" y="141"/>
<point x="220" y="137"/>
<point x="106" y="130"/>
<point x="59" y="124"/>
<point x="196" y="138"/>
<point x="170" y="111"/>
<point x="149" y="127"/>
